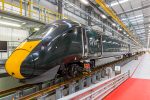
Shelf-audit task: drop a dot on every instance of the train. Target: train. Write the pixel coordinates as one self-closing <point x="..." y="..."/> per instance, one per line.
<point x="63" y="48"/>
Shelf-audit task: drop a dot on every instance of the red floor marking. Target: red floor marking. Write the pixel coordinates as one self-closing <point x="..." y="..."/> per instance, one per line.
<point x="132" y="89"/>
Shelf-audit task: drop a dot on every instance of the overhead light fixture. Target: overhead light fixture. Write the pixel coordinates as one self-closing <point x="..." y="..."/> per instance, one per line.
<point x="116" y="3"/>
<point x="103" y="16"/>
<point x="85" y="2"/>
<point x="13" y="19"/>
<point x="120" y="29"/>
<point x="23" y="23"/>
<point x="36" y="29"/>
<point x="9" y="24"/>
<point x="114" y="24"/>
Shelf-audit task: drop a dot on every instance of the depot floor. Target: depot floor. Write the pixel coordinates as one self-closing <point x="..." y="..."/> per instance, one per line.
<point x="138" y="86"/>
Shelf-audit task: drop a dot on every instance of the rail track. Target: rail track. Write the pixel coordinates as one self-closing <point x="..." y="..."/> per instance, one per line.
<point x="52" y="88"/>
<point x="13" y="90"/>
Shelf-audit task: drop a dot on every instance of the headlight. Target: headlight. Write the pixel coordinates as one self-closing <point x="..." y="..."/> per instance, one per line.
<point x="42" y="47"/>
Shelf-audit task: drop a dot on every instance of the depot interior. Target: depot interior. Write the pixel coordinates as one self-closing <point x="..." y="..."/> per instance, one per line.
<point x="124" y="20"/>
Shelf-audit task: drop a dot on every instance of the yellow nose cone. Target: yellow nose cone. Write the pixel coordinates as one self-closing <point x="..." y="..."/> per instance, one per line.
<point x="13" y="64"/>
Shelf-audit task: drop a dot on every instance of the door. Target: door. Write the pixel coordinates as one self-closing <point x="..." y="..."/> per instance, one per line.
<point x="93" y="40"/>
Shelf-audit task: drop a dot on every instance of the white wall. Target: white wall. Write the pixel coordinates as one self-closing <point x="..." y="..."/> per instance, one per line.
<point x="11" y="34"/>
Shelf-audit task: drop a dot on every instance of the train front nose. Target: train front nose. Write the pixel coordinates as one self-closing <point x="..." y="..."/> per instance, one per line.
<point x="13" y="64"/>
<point x="21" y="58"/>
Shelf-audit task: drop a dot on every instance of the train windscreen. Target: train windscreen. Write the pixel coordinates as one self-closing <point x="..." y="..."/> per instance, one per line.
<point x="43" y="32"/>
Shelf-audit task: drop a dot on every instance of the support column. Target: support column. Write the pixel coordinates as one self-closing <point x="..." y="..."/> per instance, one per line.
<point x="26" y="7"/>
<point x="89" y="18"/>
<point x="104" y="29"/>
<point x="60" y="8"/>
<point x="30" y="7"/>
<point x="39" y="10"/>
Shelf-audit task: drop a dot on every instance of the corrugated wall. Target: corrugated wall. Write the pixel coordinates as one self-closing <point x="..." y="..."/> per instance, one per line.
<point x="11" y="34"/>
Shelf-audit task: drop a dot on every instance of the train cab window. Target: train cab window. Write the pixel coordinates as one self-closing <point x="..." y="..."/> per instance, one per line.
<point x="43" y="32"/>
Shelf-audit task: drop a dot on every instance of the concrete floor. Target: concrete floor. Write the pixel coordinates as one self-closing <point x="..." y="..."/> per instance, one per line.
<point x="138" y="86"/>
<point x="139" y="68"/>
<point x="8" y="83"/>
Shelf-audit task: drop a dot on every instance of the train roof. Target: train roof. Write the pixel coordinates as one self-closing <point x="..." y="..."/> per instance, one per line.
<point x="66" y="22"/>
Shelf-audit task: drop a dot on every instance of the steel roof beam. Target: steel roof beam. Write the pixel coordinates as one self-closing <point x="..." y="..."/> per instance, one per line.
<point x="136" y="9"/>
<point x="116" y="18"/>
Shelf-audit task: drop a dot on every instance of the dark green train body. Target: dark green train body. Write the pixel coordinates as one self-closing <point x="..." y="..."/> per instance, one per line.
<point x="62" y="48"/>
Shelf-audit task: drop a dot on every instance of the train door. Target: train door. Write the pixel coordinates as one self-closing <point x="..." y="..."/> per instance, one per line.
<point x="129" y="46"/>
<point x="84" y="43"/>
<point x="93" y="42"/>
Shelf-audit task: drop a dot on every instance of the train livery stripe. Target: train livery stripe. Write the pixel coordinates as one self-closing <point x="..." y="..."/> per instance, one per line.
<point x="14" y="62"/>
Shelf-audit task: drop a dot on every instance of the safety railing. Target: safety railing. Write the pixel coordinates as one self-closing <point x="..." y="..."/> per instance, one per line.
<point x="31" y="10"/>
<point x="99" y="90"/>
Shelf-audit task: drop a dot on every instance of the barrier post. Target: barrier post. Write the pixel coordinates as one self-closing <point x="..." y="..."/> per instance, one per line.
<point x="29" y="8"/>
<point x="3" y="2"/>
<point x="20" y="7"/>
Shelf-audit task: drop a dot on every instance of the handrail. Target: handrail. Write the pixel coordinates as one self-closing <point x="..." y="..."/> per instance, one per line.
<point x="99" y="90"/>
<point x="31" y="13"/>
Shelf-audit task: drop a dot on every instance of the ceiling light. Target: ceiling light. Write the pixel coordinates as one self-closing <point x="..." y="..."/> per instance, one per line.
<point x="12" y="19"/>
<point x="120" y="2"/>
<point x="23" y="23"/>
<point x="120" y="29"/>
<point x="84" y="2"/>
<point x="36" y="29"/>
<point x="9" y="24"/>
<point x="103" y="16"/>
<point x="114" y="24"/>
